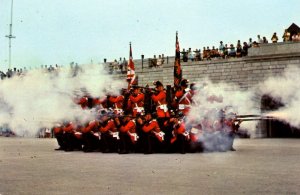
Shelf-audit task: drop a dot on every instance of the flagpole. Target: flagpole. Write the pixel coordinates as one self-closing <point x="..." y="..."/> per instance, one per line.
<point x="177" y="66"/>
<point x="10" y="36"/>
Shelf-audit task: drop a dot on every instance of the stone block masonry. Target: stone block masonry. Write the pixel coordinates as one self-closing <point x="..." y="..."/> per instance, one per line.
<point x="265" y="61"/>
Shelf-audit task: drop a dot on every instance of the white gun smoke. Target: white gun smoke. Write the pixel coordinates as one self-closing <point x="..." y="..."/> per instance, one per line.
<point x="40" y="99"/>
<point x="286" y="89"/>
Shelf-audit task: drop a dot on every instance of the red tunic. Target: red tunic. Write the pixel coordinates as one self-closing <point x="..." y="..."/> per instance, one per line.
<point x="151" y="126"/>
<point x="161" y="103"/>
<point x="129" y="127"/>
<point x="184" y="101"/>
<point x="117" y="101"/>
<point x="90" y="126"/>
<point x="101" y="101"/>
<point x="136" y="103"/>
<point x="83" y="102"/>
<point x="179" y="130"/>
<point x="110" y="126"/>
<point x="57" y="129"/>
<point x="69" y="128"/>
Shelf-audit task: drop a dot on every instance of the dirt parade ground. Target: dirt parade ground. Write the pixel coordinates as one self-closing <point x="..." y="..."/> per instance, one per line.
<point x="259" y="166"/>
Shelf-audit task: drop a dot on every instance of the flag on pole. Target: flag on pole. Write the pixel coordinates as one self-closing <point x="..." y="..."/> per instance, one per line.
<point x="131" y="77"/>
<point x="177" y="66"/>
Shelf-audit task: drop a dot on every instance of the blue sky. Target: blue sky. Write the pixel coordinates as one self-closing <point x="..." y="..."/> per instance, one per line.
<point x="62" y="31"/>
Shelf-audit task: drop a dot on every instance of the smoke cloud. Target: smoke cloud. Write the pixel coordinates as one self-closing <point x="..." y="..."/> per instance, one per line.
<point x="285" y="89"/>
<point x="41" y="99"/>
<point x="212" y="97"/>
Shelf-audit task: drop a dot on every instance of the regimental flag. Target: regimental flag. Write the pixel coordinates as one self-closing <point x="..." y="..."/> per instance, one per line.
<point x="177" y="66"/>
<point x="131" y="77"/>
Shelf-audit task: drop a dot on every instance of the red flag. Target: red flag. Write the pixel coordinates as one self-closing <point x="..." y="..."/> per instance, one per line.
<point x="131" y="78"/>
<point x="177" y="66"/>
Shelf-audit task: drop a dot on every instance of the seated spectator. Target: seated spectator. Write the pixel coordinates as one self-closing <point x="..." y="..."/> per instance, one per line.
<point x="286" y="36"/>
<point x="214" y="52"/>
<point x="265" y="40"/>
<point x="296" y="37"/>
<point x="274" y="38"/>
<point x="232" y="52"/>
<point x="160" y="61"/>
<point x="204" y="53"/>
<point x="245" y="49"/>
<point x="255" y="44"/>
<point x="239" y="50"/>
<point x="153" y="62"/>
<point x="208" y="57"/>
<point x="197" y="55"/>
<point x="226" y="51"/>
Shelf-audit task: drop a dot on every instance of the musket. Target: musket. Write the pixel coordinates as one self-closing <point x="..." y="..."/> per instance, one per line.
<point x="147" y="88"/>
<point x="252" y="117"/>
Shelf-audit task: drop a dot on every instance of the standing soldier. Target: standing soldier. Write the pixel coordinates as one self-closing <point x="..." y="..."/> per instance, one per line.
<point x="161" y="104"/>
<point x="136" y="101"/>
<point x="184" y="97"/>
<point x="117" y="102"/>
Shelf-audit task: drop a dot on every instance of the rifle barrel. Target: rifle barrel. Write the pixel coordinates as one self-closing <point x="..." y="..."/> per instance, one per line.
<point x="255" y="119"/>
<point x="248" y="116"/>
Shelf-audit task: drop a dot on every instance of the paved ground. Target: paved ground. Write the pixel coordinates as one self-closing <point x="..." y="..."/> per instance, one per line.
<point x="259" y="166"/>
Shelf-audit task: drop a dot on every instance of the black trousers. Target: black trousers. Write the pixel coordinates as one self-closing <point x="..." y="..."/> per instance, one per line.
<point x="125" y="144"/>
<point x="90" y="142"/>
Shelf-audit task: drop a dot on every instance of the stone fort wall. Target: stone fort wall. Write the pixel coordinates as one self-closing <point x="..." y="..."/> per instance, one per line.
<point x="268" y="60"/>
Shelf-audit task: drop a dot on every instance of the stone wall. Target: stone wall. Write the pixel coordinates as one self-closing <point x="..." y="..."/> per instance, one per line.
<point x="268" y="60"/>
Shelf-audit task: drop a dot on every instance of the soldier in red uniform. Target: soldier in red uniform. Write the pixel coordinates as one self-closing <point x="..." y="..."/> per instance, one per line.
<point x="181" y="137"/>
<point x="160" y="100"/>
<point x="83" y="102"/>
<point x="117" y="102"/>
<point x="71" y="141"/>
<point x="136" y="102"/>
<point x="59" y="135"/>
<point x="91" y="136"/>
<point x="184" y="97"/>
<point x="101" y="103"/>
<point x="230" y="127"/>
<point x="109" y="134"/>
<point x="127" y="133"/>
<point x="152" y="136"/>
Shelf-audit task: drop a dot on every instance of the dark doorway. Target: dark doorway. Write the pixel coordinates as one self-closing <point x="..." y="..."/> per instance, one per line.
<point x="276" y="128"/>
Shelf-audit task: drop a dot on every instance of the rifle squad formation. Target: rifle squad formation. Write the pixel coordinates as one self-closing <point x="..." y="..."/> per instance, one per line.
<point x="149" y="120"/>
